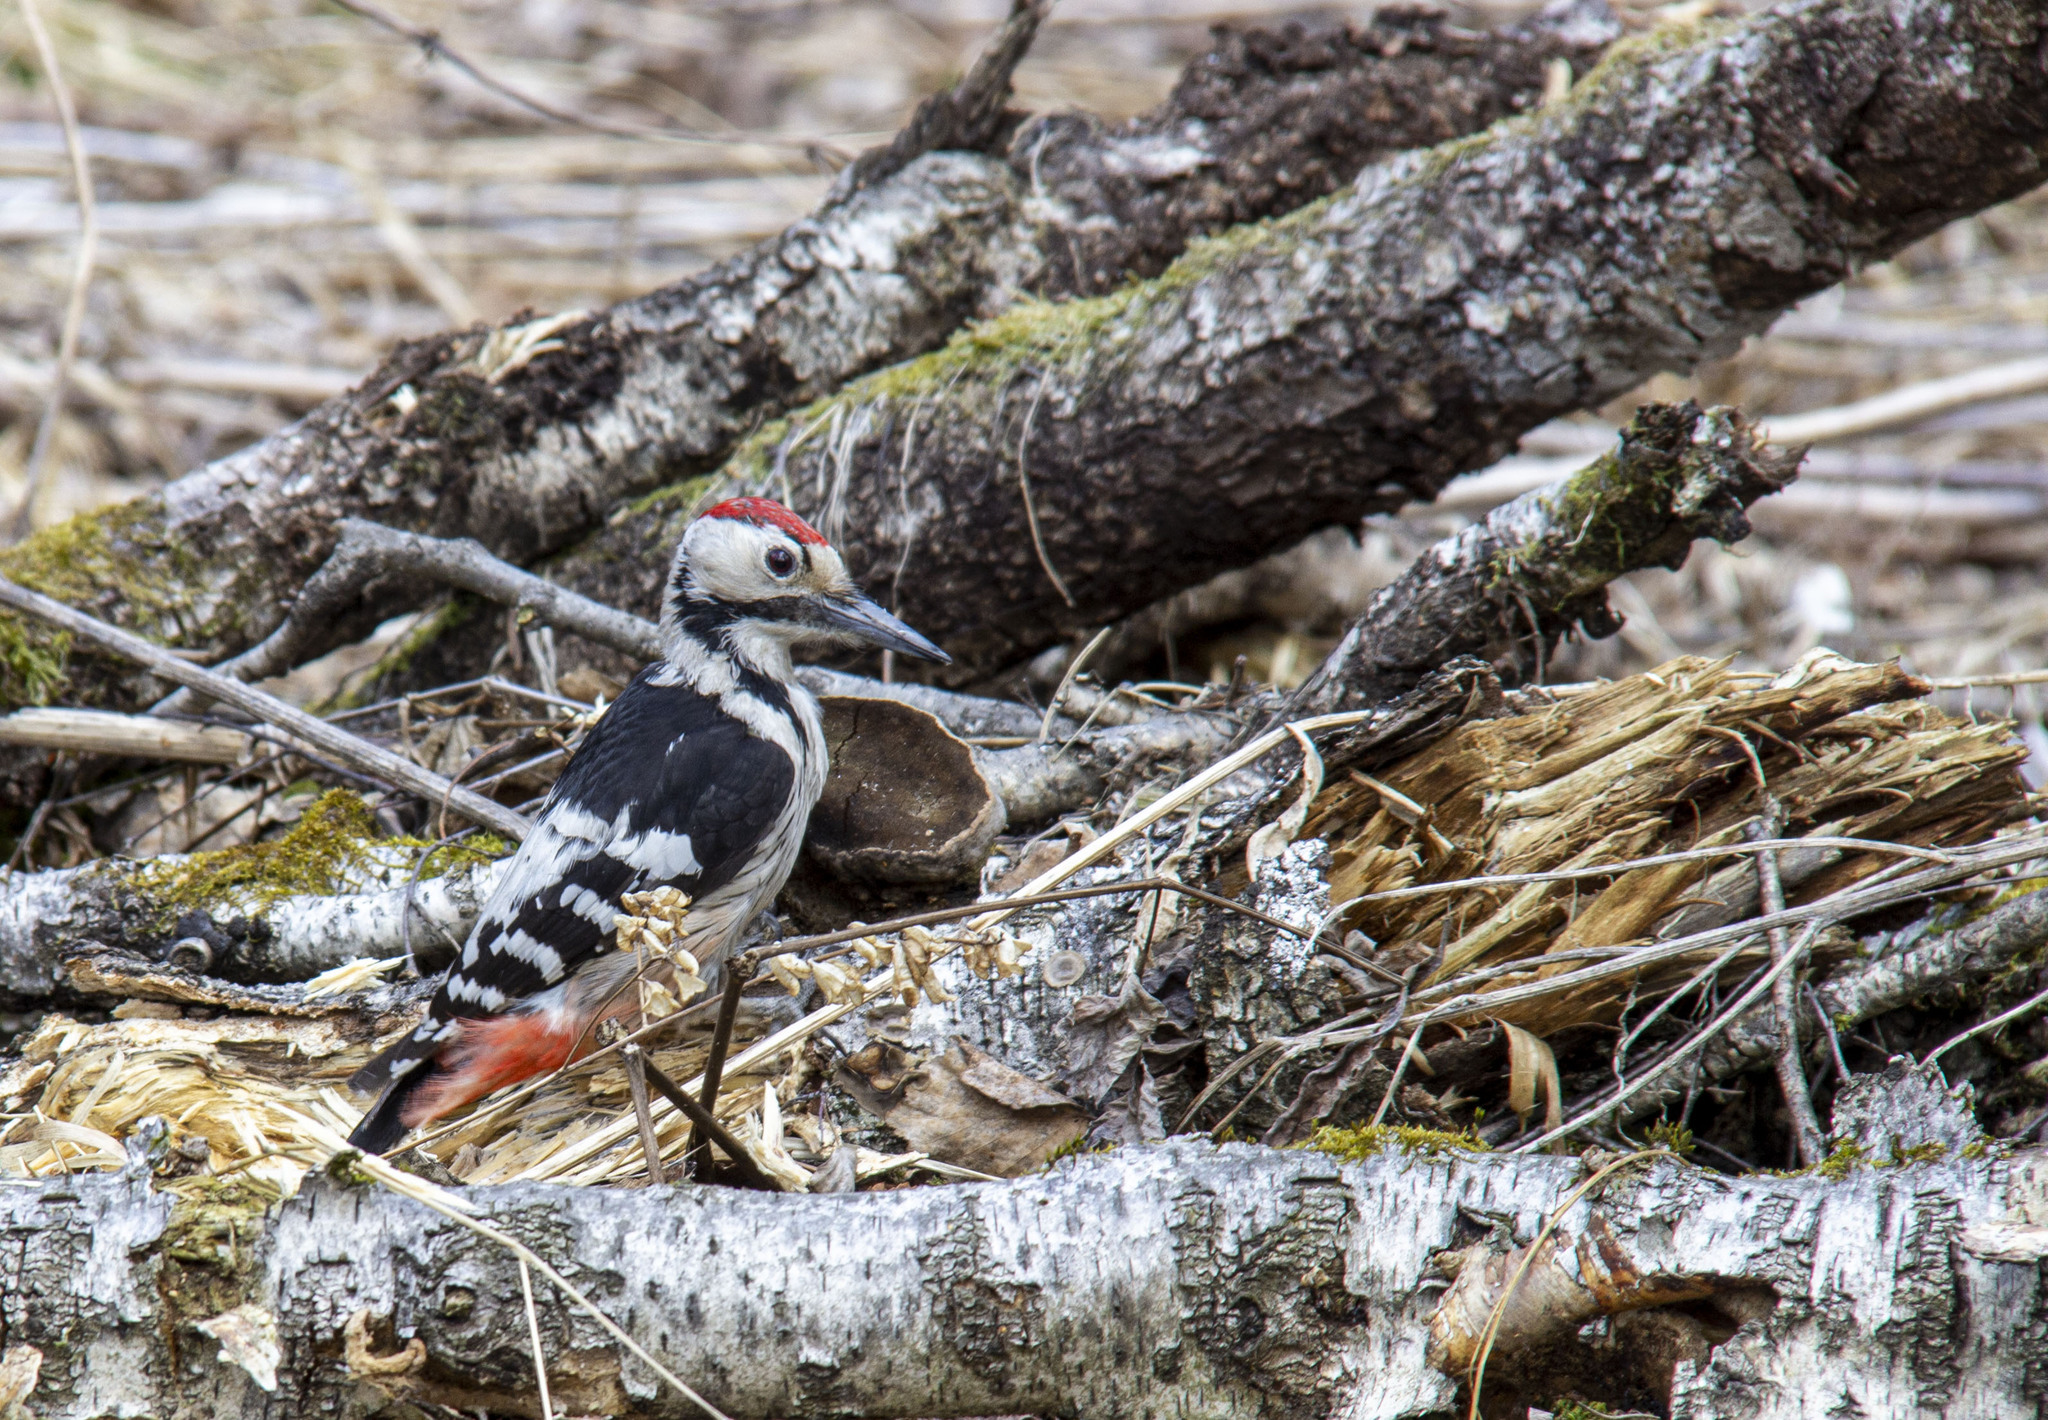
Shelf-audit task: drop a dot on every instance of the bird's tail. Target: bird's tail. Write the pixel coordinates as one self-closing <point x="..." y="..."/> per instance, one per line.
<point x="397" y="1073"/>
<point x="382" y="1128"/>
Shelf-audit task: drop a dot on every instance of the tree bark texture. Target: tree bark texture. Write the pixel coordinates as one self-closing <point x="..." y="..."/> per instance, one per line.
<point x="1532" y="570"/>
<point x="1177" y="1280"/>
<point x="1063" y="465"/>
<point x="528" y="437"/>
<point x="330" y="889"/>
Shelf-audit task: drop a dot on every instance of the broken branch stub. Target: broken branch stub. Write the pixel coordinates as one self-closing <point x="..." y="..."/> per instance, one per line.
<point x="1532" y="570"/>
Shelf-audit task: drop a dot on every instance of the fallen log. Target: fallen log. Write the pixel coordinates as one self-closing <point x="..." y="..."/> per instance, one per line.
<point x="528" y="436"/>
<point x="1157" y="1281"/>
<point x="332" y="888"/>
<point x="1063" y="465"/>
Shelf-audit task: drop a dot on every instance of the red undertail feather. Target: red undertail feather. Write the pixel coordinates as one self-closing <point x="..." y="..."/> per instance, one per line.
<point x="492" y="1053"/>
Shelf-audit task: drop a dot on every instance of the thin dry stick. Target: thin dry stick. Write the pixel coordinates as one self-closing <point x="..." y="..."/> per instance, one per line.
<point x="352" y="750"/>
<point x="636" y="1086"/>
<point x="1834" y="1040"/>
<point x="431" y="43"/>
<point x="2037" y="999"/>
<point x="1658" y="860"/>
<point x="81" y="272"/>
<point x="456" y="1210"/>
<point x="1500" y="1307"/>
<point x="1030" y="510"/>
<point x="696" y="1152"/>
<point x="704" y="1119"/>
<point x="1691" y="1047"/>
<point x="1908" y="403"/>
<point x="1052" y="706"/>
<point x="1791" y="1067"/>
<point x="1968" y="682"/>
<point x="540" y="1364"/>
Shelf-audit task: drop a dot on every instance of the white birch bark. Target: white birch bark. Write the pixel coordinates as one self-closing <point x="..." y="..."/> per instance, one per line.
<point x="1173" y="1280"/>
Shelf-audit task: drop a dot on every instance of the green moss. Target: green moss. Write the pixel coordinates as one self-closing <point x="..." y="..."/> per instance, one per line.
<point x="326" y="851"/>
<point x="1849" y="1155"/>
<point x="1844" y="1159"/>
<point x="452" y="613"/>
<point x="1030" y="336"/>
<point x="1364" y="1141"/>
<point x="444" y="858"/>
<point x="81" y="559"/>
<point x="119" y="552"/>
<point x="1674" y="1137"/>
<point x="1075" y="1147"/>
<point x="1932" y="1153"/>
<point x="315" y="856"/>
<point x="33" y="662"/>
<point x="208" y="1246"/>
<point x="345" y="1168"/>
<point x="686" y="496"/>
<point x="2020" y="888"/>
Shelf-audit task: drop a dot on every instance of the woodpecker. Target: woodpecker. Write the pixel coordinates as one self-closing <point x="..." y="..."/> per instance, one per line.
<point x="701" y="775"/>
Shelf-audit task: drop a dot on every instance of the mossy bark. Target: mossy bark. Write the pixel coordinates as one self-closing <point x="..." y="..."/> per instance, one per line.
<point x="330" y="890"/>
<point x="1064" y="464"/>
<point x="529" y="441"/>
<point x="1509" y="586"/>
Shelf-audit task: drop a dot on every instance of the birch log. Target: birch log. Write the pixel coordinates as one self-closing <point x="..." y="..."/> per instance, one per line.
<point x="1177" y="1280"/>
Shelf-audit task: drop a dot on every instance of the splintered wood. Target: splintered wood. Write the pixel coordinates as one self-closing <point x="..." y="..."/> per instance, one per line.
<point x="1673" y="759"/>
<point x="1692" y="755"/>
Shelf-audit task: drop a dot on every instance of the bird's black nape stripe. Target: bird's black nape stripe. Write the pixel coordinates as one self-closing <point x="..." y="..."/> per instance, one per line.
<point x="710" y="624"/>
<point x="709" y="620"/>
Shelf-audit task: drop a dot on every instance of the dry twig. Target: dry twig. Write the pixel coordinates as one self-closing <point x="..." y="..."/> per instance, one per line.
<point x="81" y="274"/>
<point x="351" y="750"/>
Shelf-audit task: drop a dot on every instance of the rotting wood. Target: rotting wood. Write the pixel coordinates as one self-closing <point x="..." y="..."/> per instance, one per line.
<point x="1615" y="773"/>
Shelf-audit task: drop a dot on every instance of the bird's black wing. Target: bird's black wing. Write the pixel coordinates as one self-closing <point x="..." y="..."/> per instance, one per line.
<point x="668" y="788"/>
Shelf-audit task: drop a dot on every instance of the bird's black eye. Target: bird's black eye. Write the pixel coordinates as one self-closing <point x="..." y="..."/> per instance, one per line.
<point x="781" y="561"/>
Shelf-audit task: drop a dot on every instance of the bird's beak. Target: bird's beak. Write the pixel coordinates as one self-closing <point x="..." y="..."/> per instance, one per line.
<point x="857" y="615"/>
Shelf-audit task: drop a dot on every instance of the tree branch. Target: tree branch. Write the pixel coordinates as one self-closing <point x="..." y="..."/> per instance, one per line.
<point x="351" y="750"/>
<point x="1363" y="350"/>
<point x="1507" y="587"/>
<point x="527" y="437"/>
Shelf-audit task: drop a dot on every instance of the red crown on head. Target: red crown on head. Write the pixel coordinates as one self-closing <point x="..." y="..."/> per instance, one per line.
<point x="767" y="513"/>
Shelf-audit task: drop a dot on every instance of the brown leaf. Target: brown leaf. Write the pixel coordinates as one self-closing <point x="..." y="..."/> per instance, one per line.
<point x="964" y="1107"/>
<point x="1132" y="1114"/>
<point x="1107" y="1034"/>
